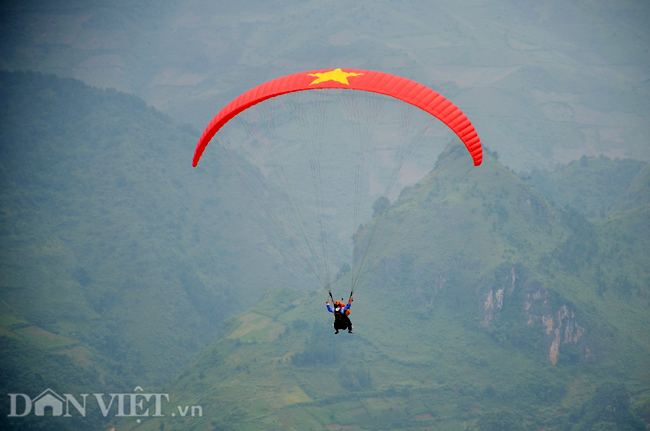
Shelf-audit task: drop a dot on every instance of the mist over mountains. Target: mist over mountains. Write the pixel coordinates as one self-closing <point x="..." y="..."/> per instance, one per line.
<point x="543" y="84"/>
<point x="120" y="264"/>
<point x="502" y="312"/>
<point x="103" y="224"/>
<point x="510" y="296"/>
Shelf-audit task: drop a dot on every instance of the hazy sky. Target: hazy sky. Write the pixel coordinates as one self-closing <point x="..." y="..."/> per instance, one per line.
<point x="543" y="83"/>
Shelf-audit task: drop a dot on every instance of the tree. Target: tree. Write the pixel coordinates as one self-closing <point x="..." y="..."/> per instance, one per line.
<point x="500" y="421"/>
<point x="609" y="408"/>
<point x="380" y="206"/>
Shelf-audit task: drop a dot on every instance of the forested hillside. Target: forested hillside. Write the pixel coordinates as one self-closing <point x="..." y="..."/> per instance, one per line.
<point x="594" y="186"/>
<point x="501" y="312"/>
<point x="118" y="261"/>
<point x="497" y="304"/>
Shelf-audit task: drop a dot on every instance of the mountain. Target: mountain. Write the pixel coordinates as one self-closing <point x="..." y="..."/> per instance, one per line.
<point x="483" y="302"/>
<point x="636" y="195"/>
<point x="542" y="84"/>
<point x="117" y="259"/>
<point x="592" y="185"/>
<point x="497" y="311"/>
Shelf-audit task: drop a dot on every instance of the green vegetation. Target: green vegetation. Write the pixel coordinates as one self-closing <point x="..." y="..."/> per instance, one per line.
<point x="491" y="309"/>
<point x="380" y="206"/>
<point x="110" y="241"/>
<point x="29" y="368"/>
<point x="607" y="409"/>
<point x="489" y="317"/>
<point x="500" y="421"/>
<point x="592" y="185"/>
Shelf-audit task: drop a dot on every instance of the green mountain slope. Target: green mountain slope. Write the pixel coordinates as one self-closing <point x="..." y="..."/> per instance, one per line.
<point x="593" y="186"/>
<point x="114" y="251"/>
<point x="637" y="194"/>
<point x="498" y="309"/>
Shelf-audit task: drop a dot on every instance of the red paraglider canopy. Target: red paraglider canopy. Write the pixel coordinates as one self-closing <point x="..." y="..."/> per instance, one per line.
<point x="354" y="79"/>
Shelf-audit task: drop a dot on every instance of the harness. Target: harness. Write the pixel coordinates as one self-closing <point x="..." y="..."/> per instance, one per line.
<point x="341" y="320"/>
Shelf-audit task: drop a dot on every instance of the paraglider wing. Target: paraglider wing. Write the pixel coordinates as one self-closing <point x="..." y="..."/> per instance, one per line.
<point x="354" y="79"/>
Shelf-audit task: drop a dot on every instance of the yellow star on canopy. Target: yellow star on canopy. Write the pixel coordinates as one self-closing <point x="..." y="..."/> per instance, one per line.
<point x="334" y="75"/>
